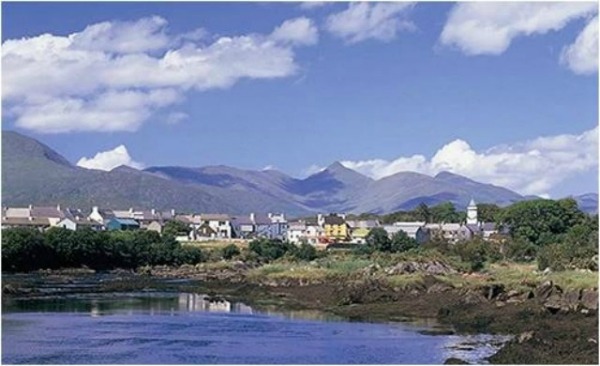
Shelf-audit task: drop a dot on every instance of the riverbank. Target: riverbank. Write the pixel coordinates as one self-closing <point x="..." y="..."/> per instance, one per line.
<point x="552" y="322"/>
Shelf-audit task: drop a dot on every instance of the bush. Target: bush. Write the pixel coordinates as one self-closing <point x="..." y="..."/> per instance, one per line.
<point x="270" y="249"/>
<point x="401" y="242"/>
<point x="473" y="252"/>
<point x="230" y="251"/>
<point x="552" y="256"/>
<point x="305" y="252"/>
<point x="520" y="250"/>
<point x="188" y="255"/>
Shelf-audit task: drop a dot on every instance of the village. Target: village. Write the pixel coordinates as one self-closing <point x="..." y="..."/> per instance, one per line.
<point x="319" y="230"/>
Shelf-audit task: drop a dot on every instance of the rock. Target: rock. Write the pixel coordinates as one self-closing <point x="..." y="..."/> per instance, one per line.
<point x="512" y="293"/>
<point x="455" y="361"/>
<point x="592" y="340"/>
<point x="439" y="287"/>
<point x="547" y="271"/>
<point x="472" y="298"/>
<point x="589" y="299"/>
<point x="492" y="291"/>
<point x="9" y="289"/>
<point x="555" y="304"/>
<point x="571" y="299"/>
<point x="525" y="336"/>
<point x="547" y="289"/>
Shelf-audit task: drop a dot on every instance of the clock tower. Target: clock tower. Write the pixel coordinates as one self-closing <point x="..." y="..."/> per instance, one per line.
<point x="472" y="213"/>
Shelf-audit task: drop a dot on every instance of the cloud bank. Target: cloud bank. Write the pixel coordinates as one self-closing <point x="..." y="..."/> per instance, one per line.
<point x="364" y="21"/>
<point x="113" y="76"/>
<point x="108" y="160"/>
<point x="530" y="167"/>
<point x="489" y="28"/>
<point x="582" y="56"/>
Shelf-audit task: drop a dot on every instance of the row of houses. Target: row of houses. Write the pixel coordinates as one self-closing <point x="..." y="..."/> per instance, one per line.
<point x="335" y="228"/>
<point x="201" y="226"/>
<point x="321" y="229"/>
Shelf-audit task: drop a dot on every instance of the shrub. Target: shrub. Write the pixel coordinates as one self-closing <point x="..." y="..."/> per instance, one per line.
<point x="188" y="255"/>
<point x="270" y="249"/>
<point x="520" y="250"/>
<point x="401" y="242"/>
<point x="305" y="252"/>
<point x="230" y="251"/>
<point x="552" y="256"/>
<point x="472" y="252"/>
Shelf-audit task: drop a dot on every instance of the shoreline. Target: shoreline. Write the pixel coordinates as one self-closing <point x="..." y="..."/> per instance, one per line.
<point x="542" y="334"/>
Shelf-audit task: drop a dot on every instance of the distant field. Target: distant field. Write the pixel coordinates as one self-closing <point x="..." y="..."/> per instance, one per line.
<point x="217" y="244"/>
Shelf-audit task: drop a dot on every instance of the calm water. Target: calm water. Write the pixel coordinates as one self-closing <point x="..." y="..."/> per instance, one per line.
<point x="182" y="328"/>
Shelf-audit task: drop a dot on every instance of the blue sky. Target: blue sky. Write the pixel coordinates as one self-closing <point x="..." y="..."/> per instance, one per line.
<point x="381" y="87"/>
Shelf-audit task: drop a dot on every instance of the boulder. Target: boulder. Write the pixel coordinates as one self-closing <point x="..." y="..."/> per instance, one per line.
<point x="571" y="299"/>
<point x="472" y="298"/>
<point x="525" y="336"/>
<point x="9" y="289"/>
<point x="439" y="287"/>
<point x="547" y="289"/>
<point x="589" y="299"/>
<point x="555" y="304"/>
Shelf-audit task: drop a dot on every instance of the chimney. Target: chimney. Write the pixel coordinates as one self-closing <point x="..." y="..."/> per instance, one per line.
<point x="31" y="207"/>
<point x="252" y="217"/>
<point x="320" y="219"/>
<point x="270" y="215"/>
<point x="153" y="212"/>
<point x="95" y="210"/>
<point x="172" y="212"/>
<point x="57" y="207"/>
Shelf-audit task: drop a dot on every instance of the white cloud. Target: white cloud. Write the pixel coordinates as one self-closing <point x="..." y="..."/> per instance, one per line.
<point x="313" y="169"/>
<point x="363" y="21"/>
<point x="56" y="84"/>
<point x="310" y="5"/>
<point x="300" y="31"/>
<point x="531" y="167"/>
<point x="479" y="28"/>
<point x="582" y="56"/>
<point x="176" y="117"/>
<point x="108" y="160"/>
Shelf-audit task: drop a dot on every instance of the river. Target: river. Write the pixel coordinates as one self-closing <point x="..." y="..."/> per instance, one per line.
<point x="185" y="328"/>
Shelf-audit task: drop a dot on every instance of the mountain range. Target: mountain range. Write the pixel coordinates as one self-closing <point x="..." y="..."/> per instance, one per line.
<point x="32" y="173"/>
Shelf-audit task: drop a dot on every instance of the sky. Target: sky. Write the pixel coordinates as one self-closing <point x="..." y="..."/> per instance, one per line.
<point x="505" y="94"/>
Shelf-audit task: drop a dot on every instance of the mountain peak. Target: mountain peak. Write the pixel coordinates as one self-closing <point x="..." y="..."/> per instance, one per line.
<point x="336" y="165"/>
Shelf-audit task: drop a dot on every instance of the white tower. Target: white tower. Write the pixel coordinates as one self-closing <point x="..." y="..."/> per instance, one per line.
<point x="472" y="213"/>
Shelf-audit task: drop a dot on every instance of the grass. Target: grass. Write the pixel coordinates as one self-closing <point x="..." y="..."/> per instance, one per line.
<point x="216" y="244"/>
<point x="405" y="281"/>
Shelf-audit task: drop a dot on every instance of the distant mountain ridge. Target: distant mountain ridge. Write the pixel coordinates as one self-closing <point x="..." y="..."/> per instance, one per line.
<point x="35" y="174"/>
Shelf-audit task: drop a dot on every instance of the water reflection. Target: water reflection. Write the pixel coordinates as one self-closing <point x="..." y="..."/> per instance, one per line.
<point x="201" y="302"/>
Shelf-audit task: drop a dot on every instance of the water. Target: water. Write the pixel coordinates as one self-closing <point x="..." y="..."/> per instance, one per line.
<point x="183" y="328"/>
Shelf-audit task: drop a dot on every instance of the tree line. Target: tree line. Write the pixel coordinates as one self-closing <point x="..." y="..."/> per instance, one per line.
<point x="25" y="249"/>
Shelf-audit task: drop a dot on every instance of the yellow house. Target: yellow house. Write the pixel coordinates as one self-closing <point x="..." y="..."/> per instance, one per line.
<point x="336" y="228"/>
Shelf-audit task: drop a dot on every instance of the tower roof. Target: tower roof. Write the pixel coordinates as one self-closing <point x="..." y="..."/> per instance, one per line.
<point x="472" y="203"/>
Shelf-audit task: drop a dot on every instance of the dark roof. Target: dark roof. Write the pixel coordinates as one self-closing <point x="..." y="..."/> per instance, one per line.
<point x="24" y="221"/>
<point x="334" y="220"/>
<point x="241" y="220"/>
<point x="262" y="219"/>
<point x="47" y="212"/>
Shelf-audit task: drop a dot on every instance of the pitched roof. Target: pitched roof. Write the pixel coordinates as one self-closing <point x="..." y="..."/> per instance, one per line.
<point x="23" y="221"/>
<point x="48" y="212"/>
<point x="214" y="217"/>
<point x="362" y="223"/>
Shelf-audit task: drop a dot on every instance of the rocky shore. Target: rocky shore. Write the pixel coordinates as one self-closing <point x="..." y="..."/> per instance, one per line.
<point x="550" y="324"/>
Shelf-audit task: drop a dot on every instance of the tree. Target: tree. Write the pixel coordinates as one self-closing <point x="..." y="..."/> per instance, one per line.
<point x="378" y="239"/>
<point x="488" y="212"/>
<point x="230" y="251"/>
<point x="176" y="228"/>
<point x="305" y="252"/>
<point x="539" y="221"/>
<point x="423" y="213"/>
<point x="25" y="249"/>
<point x="444" y="212"/>
<point x="402" y="242"/>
